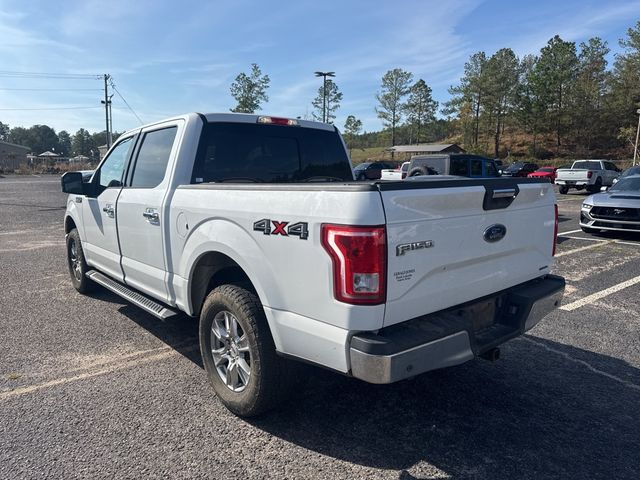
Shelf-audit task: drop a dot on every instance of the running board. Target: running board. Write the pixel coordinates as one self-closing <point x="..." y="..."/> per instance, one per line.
<point x="151" y="306"/>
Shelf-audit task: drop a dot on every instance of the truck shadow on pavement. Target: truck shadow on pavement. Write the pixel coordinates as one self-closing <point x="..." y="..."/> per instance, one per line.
<point x="546" y="410"/>
<point x="179" y="332"/>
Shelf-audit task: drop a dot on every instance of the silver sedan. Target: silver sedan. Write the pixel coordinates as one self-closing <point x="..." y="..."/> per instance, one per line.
<point x="617" y="209"/>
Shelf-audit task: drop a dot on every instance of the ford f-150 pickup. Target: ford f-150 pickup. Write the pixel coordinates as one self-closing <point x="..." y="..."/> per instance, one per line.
<point x="589" y="174"/>
<point x="255" y="225"/>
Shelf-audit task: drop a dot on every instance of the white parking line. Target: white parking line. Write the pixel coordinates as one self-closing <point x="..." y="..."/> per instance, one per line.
<point x="601" y="294"/>
<point x="162" y="353"/>
<point x="570" y="231"/>
<point x="581" y="249"/>
<point x="583" y="363"/>
<point x="621" y="242"/>
<point x="588" y="239"/>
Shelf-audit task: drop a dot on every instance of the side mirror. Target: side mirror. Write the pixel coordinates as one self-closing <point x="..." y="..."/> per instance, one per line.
<point x="372" y="174"/>
<point x="72" y="183"/>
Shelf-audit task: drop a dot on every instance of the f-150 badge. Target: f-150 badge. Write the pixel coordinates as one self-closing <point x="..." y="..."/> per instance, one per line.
<point x="407" y="247"/>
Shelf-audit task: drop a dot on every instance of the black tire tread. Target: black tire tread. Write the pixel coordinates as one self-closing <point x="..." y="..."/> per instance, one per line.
<point x="272" y="375"/>
<point x="85" y="285"/>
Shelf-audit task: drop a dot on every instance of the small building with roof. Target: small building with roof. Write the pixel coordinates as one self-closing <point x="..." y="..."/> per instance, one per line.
<point x="12" y="155"/>
<point x="425" y="148"/>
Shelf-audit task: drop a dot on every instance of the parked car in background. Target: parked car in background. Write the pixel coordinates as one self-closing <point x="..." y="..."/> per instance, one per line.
<point x="591" y="175"/>
<point x="628" y="172"/>
<point x="519" y="169"/>
<point x="374" y="169"/>
<point x="617" y="209"/>
<point x="544" y="172"/>
<point x="462" y="165"/>
<point x="399" y="173"/>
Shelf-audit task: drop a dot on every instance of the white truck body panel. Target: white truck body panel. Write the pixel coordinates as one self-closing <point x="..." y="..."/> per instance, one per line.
<point x="100" y="240"/>
<point x="460" y="266"/>
<point x="290" y="274"/>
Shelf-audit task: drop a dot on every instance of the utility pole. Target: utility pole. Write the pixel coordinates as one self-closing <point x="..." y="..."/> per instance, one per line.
<point x="324" y="75"/>
<point x="107" y="109"/>
<point x="635" y="147"/>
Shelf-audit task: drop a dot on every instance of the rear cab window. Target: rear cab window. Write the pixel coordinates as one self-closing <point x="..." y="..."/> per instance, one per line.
<point x="587" y="165"/>
<point x="269" y="153"/>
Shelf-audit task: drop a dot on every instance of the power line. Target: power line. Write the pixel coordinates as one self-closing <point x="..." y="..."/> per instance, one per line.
<point x="46" y="108"/>
<point x="69" y="76"/>
<point x="126" y="103"/>
<point x="52" y="89"/>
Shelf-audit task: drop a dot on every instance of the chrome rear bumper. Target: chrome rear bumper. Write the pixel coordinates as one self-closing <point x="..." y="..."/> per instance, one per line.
<point x="444" y="339"/>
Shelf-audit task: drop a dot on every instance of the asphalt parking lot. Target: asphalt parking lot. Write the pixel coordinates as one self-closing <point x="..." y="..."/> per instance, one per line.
<point x="91" y="387"/>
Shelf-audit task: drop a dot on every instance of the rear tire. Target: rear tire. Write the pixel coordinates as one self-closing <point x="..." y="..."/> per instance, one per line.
<point x="563" y="189"/>
<point x="239" y="354"/>
<point x="596" y="186"/>
<point x="78" y="267"/>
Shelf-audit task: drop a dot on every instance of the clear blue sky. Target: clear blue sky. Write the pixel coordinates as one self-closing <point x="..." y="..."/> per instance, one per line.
<point x="173" y="57"/>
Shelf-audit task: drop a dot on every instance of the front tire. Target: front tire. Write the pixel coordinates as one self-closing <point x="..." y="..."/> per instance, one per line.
<point x="239" y="354"/>
<point x="78" y="267"/>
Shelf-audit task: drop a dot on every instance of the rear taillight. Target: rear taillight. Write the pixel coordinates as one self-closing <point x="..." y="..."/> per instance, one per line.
<point x="555" y="232"/>
<point x="359" y="257"/>
<point x="589" y="174"/>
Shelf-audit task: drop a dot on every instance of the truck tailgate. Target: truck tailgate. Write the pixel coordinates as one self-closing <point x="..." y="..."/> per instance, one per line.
<point x="571" y="175"/>
<point x="454" y="241"/>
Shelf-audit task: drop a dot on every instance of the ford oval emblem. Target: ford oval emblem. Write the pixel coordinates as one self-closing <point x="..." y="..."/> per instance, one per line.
<point x="495" y="233"/>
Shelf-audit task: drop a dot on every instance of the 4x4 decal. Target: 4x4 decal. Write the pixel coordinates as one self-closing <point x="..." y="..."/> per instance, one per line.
<point x="274" y="227"/>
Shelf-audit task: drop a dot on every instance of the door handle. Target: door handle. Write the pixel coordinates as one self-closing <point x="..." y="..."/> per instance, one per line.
<point x="152" y="216"/>
<point x="109" y="210"/>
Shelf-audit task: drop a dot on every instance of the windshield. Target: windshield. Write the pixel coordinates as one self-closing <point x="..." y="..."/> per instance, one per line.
<point x="545" y="170"/>
<point x="515" y="166"/>
<point x="630" y="171"/>
<point x="362" y="166"/>
<point x="628" y="184"/>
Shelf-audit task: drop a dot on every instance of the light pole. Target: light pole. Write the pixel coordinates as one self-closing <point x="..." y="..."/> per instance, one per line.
<point x="635" y="147"/>
<point x="324" y="76"/>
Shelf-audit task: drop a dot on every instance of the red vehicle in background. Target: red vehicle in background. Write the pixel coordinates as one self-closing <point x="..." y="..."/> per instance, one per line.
<point x="544" y="172"/>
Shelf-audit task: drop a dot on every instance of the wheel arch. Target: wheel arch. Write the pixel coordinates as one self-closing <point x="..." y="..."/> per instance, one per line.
<point x="212" y="269"/>
<point x="69" y="224"/>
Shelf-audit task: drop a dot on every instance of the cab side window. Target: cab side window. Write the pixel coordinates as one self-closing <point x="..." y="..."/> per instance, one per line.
<point x="460" y="166"/>
<point x="112" y="169"/>
<point x="153" y="157"/>
<point x="476" y="167"/>
<point x="492" y="171"/>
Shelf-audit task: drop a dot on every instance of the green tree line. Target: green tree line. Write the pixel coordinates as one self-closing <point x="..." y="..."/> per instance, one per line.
<point x="564" y="101"/>
<point x="42" y="138"/>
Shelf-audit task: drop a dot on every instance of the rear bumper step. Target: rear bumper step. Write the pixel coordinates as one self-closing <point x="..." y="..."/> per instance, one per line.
<point x="448" y="338"/>
<point x="151" y="306"/>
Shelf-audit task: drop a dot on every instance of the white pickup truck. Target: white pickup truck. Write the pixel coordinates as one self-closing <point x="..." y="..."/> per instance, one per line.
<point x="255" y="225"/>
<point x="589" y="174"/>
<point x="399" y="173"/>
